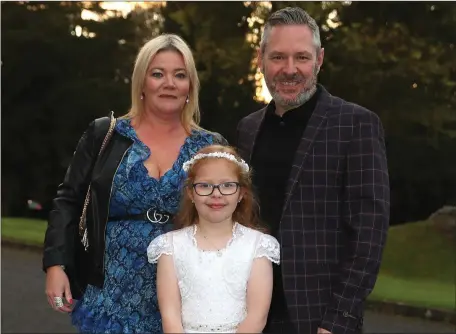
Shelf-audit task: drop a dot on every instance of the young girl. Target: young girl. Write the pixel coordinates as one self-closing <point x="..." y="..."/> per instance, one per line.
<point x="214" y="275"/>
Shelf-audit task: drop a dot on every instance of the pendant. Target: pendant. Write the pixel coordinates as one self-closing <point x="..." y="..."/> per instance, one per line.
<point x="219" y="253"/>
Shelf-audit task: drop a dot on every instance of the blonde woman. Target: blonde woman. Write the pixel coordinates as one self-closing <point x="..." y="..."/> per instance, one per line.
<point x="135" y="188"/>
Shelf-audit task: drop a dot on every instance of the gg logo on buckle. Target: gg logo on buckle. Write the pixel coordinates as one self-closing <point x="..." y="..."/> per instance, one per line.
<point x="157" y="217"/>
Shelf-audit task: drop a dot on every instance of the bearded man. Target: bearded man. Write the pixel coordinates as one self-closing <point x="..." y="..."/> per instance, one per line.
<point x="321" y="176"/>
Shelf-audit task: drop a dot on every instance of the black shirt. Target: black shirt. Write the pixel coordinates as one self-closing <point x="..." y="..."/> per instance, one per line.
<point x="272" y="158"/>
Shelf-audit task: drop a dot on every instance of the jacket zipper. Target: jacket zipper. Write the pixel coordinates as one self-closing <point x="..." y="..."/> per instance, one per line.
<point x="109" y="202"/>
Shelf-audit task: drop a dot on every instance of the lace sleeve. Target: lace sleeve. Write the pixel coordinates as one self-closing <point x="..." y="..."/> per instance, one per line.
<point x="268" y="247"/>
<point x="159" y="246"/>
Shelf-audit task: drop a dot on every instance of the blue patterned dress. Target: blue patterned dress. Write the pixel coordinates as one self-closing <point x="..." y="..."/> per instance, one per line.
<point x="127" y="303"/>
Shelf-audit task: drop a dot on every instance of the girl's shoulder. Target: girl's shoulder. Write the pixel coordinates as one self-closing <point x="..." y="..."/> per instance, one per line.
<point x="252" y="232"/>
<point x="182" y="231"/>
<point x="265" y="245"/>
<point x="182" y="235"/>
<point x="166" y="243"/>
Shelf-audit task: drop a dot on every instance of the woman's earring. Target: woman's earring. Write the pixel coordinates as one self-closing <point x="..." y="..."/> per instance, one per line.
<point x="142" y="96"/>
<point x="186" y="101"/>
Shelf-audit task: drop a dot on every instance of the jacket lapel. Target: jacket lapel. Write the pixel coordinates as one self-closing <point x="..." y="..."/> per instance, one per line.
<point x="254" y="129"/>
<point x="312" y="129"/>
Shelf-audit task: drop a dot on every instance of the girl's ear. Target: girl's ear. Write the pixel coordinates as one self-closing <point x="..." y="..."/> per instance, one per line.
<point x="241" y="194"/>
<point x="189" y="193"/>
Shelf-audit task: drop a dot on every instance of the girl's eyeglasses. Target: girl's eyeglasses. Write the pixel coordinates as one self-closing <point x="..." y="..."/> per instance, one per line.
<point x="206" y="189"/>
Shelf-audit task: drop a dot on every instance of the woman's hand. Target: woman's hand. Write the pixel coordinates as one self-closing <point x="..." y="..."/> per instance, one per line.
<point x="58" y="286"/>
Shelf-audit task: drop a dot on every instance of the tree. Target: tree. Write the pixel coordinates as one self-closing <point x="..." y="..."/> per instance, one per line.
<point x="216" y="32"/>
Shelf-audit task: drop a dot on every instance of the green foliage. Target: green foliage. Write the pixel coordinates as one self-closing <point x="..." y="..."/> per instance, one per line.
<point x="216" y="32"/>
<point x="55" y="83"/>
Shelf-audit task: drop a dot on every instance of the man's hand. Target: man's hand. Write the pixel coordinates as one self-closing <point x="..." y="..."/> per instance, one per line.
<point x="323" y="331"/>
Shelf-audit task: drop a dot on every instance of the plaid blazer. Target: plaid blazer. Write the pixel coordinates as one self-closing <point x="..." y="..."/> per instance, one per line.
<point x="335" y="216"/>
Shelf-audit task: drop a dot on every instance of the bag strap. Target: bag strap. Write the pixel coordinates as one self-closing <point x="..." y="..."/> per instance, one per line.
<point x="82" y="219"/>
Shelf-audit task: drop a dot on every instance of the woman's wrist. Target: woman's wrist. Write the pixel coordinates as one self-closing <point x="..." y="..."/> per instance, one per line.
<point x="61" y="266"/>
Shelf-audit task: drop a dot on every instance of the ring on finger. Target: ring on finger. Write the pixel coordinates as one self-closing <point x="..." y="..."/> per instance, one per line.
<point x="58" y="301"/>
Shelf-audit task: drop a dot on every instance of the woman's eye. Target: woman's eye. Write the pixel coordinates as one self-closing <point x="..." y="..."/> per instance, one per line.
<point x="181" y="75"/>
<point x="157" y="75"/>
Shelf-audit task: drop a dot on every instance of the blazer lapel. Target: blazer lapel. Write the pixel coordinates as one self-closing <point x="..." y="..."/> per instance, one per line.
<point x="313" y="127"/>
<point x="253" y="129"/>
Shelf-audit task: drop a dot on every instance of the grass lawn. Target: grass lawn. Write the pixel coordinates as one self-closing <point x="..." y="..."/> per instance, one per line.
<point x="415" y="292"/>
<point x="27" y="231"/>
<point x="418" y="267"/>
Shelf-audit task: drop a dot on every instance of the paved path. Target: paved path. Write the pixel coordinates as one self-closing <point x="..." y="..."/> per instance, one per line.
<point x="25" y="309"/>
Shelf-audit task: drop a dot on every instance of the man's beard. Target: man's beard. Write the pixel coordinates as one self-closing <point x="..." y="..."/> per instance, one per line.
<point x="302" y="97"/>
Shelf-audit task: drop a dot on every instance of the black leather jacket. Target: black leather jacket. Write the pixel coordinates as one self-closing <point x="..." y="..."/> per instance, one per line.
<point x="67" y="205"/>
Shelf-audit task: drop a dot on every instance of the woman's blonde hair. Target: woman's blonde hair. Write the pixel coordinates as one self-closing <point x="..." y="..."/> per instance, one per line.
<point x="190" y="116"/>
<point x="246" y="212"/>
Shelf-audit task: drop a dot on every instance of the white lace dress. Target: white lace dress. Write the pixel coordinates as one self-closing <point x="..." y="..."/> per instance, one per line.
<point x="213" y="284"/>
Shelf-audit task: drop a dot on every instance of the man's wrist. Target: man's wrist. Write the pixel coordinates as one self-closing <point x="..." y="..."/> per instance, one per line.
<point x="338" y="321"/>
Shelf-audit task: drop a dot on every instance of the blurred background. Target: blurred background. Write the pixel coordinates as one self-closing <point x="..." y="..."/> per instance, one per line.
<point x="65" y="63"/>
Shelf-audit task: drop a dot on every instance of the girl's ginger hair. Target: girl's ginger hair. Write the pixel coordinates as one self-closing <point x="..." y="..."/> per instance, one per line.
<point x="246" y="212"/>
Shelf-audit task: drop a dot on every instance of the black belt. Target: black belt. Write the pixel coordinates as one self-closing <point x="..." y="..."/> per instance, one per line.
<point x="152" y="215"/>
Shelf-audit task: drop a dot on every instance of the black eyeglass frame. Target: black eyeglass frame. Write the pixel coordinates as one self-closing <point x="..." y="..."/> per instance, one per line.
<point x="216" y="186"/>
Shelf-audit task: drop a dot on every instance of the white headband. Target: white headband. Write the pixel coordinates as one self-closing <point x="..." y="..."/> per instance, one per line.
<point x="186" y="166"/>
